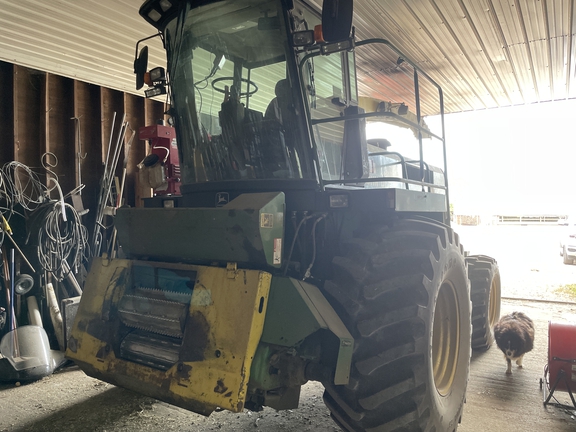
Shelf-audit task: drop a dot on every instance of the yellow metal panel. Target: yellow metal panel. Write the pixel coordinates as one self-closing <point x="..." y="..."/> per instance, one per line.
<point x="224" y="325"/>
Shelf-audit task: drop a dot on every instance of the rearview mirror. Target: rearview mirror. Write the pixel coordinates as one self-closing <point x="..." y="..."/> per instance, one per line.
<point x="140" y="66"/>
<point x="337" y="19"/>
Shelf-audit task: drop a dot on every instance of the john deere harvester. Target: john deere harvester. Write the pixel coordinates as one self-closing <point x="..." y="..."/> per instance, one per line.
<point x="297" y="250"/>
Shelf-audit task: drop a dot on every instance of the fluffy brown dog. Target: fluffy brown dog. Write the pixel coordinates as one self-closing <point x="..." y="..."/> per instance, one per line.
<point x="514" y="335"/>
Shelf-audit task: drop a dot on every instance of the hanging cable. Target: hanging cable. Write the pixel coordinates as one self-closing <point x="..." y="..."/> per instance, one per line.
<point x="52" y="177"/>
<point x="22" y="186"/>
<point x="309" y="269"/>
<point x="289" y="256"/>
<point x="60" y="239"/>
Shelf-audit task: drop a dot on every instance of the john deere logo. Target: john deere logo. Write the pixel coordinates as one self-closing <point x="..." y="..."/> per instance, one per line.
<point x="222" y="198"/>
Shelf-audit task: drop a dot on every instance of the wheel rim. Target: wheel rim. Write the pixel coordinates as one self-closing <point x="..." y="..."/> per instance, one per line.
<point x="494" y="305"/>
<point x="445" y="339"/>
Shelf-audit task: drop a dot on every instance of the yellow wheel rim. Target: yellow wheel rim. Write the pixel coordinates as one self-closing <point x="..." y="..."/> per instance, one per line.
<point x="445" y="338"/>
<point x="494" y="305"/>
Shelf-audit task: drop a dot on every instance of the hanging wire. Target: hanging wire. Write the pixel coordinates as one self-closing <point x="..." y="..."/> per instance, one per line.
<point x="22" y="186"/>
<point x="61" y="240"/>
<point x="4" y="204"/>
<point x="60" y="233"/>
<point x="289" y="256"/>
<point x="309" y="269"/>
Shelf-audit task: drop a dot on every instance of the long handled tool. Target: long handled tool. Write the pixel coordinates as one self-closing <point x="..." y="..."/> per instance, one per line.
<point x="120" y="196"/>
<point x="79" y="156"/>
<point x="106" y="184"/>
<point x="101" y="197"/>
<point x="6" y="228"/>
<point x="12" y="295"/>
<point x="7" y="286"/>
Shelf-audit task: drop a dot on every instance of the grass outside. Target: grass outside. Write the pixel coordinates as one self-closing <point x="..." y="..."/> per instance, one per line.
<point x="569" y="289"/>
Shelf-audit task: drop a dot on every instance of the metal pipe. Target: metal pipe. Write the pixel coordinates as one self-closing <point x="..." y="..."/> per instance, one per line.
<point x="21" y="253"/>
<point x="12" y="296"/>
<point x="441" y="96"/>
<point x="109" y="145"/>
<point x="55" y="314"/>
<point x="106" y="185"/>
<point x="71" y="278"/>
<point x="419" y="120"/>
<point x="524" y="299"/>
<point x="34" y="316"/>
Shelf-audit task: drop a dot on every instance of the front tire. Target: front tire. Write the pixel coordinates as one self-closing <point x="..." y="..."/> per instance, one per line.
<point x="404" y="295"/>
<point x="486" y="295"/>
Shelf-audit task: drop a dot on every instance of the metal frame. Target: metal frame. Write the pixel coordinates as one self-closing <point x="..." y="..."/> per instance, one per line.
<point x="548" y="392"/>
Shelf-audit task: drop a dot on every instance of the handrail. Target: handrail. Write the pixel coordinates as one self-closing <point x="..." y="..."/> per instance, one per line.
<point x="417" y="127"/>
<point x="383" y="179"/>
<point x="402" y="161"/>
<point x="375" y="114"/>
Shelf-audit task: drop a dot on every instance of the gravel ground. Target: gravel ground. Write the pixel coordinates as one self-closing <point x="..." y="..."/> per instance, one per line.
<point x="528" y="256"/>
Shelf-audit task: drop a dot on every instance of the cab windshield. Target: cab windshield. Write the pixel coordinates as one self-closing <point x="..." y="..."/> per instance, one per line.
<point x="231" y="94"/>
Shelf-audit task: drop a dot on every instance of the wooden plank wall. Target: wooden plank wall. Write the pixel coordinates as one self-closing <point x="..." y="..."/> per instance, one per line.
<point x="66" y="125"/>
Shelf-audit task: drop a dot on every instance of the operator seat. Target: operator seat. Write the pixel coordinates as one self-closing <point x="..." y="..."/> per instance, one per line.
<point x="281" y="106"/>
<point x="279" y="124"/>
<point x="231" y="118"/>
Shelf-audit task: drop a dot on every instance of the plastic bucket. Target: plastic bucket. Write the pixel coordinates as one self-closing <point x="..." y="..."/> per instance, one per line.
<point x="562" y="355"/>
<point x="27" y="347"/>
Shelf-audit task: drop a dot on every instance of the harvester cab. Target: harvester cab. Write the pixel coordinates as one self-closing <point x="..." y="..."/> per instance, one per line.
<point x="297" y="249"/>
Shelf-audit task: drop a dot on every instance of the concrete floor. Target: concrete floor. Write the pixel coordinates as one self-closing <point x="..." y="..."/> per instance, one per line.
<point x="70" y="401"/>
<point x="497" y="402"/>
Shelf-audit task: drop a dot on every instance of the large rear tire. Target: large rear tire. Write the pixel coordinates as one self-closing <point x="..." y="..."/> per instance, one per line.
<point x="404" y="295"/>
<point x="486" y="295"/>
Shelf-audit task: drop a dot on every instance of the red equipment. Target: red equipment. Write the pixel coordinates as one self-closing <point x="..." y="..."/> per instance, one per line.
<point x="162" y="139"/>
<point x="560" y="372"/>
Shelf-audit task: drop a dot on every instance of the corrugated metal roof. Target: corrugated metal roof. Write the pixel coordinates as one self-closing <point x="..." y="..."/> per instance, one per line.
<point x="93" y="41"/>
<point x="484" y="53"/>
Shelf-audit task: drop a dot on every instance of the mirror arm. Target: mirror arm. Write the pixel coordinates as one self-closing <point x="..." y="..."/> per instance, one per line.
<point x="145" y="39"/>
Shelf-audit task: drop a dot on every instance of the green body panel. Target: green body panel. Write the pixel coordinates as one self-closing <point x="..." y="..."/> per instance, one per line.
<point x="296" y="310"/>
<point x="247" y="230"/>
<point x="260" y="377"/>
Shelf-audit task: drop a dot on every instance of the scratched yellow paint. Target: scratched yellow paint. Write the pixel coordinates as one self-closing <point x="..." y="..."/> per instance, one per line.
<point x="231" y="301"/>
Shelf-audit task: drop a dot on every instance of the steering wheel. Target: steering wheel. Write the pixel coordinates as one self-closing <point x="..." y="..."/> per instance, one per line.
<point x="248" y="93"/>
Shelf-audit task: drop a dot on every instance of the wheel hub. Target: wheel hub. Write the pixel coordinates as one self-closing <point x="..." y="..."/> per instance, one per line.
<point x="445" y="339"/>
<point x="494" y="306"/>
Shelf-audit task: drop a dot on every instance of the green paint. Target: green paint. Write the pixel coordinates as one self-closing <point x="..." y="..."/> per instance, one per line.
<point x="247" y="230"/>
